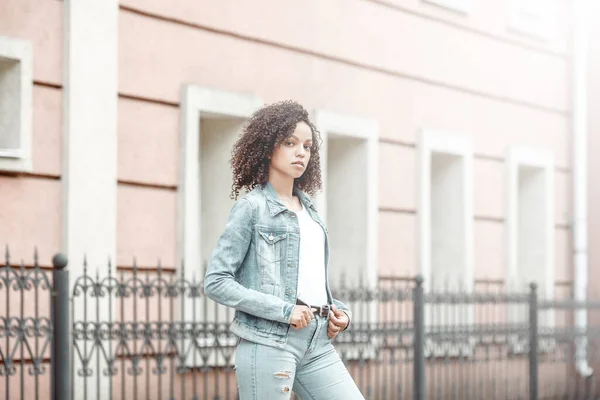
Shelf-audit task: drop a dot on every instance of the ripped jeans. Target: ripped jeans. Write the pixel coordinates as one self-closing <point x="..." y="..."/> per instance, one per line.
<point x="309" y="365"/>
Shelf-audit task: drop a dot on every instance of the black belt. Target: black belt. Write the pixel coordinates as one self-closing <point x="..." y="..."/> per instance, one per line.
<point x="321" y="311"/>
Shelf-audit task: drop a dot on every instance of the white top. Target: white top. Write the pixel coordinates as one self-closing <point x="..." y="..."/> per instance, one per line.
<point x="311" y="272"/>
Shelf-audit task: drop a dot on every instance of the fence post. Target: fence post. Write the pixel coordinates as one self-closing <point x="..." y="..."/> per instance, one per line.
<point x="419" y="339"/>
<point x="533" y="342"/>
<point x="61" y="343"/>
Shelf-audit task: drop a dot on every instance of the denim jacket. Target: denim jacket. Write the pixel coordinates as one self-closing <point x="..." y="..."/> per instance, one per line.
<point x="254" y="266"/>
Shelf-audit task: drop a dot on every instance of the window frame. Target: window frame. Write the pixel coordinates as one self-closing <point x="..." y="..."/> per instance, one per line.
<point x="198" y="101"/>
<point x="329" y="123"/>
<point x="20" y="51"/>
<point x="436" y="141"/>
<point x="439" y="141"/>
<point x="516" y="157"/>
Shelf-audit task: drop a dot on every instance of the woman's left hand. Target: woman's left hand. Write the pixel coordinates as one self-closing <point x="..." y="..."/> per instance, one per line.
<point x="338" y="321"/>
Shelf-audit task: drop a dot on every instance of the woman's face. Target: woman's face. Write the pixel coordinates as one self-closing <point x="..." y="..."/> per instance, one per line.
<point x="290" y="157"/>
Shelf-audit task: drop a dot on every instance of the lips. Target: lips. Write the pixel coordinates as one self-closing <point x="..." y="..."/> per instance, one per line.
<point x="298" y="163"/>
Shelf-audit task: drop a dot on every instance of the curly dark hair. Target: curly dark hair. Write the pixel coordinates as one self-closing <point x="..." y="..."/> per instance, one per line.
<point x="266" y="128"/>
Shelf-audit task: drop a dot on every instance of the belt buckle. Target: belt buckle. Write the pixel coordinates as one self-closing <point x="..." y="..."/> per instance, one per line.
<point x="324" y="310"/>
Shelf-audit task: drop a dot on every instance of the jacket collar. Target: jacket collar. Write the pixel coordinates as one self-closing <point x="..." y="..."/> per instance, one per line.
<point x="276" y="206"/>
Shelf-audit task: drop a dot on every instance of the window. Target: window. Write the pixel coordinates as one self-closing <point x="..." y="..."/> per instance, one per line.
<point x="349" y="205"/>
<point x="532" y="17"/>
<point x="464" y="6"/>
<point x="16" y="85"/>
<point x="530" y="224"/>
<point x="445" y="215"/>
<point x="445" y="211"/>
<point x="210" y="123"/>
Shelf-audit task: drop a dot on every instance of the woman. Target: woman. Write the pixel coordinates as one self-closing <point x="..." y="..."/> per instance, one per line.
<point x="270" y="264"/>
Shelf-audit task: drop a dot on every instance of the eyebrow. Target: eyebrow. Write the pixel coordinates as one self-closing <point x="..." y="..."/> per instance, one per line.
<point x="296" y="137"/>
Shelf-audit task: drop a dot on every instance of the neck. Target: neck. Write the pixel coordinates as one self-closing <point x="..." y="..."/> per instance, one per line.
<point x="283" y="185"/>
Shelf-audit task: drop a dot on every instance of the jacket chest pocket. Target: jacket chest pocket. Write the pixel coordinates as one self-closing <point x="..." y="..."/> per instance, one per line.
<point x="271" y="245"/>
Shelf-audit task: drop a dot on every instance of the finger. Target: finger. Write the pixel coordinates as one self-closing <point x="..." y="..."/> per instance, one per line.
<point x="336" y="310"/>
<point x="341" y="320"/>
<point x="336" y="320"/>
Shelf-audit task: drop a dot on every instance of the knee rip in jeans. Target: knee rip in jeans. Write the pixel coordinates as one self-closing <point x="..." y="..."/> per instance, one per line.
<point x="283" y="375"/>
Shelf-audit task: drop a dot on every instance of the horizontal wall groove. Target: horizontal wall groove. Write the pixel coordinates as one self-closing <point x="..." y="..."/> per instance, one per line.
<point x="489" y="218"/>
<point x="488" y="157"/>
<point x="397" y="142"/>
<point x="476" y="281"/>
<point x="477" y="156"/>
<point x="34" y="175"/>
<point x="482" y="218"/>
<point x="397" y="210"/>
<point x="48" y="84"/>
<point x="488" y="35"/>
<point x="28" y="267"/>
<point x="356" y="64"/>
<point x="148" y="100"/>
<point x="147" y="185"/>
<point x="169" y="270"/>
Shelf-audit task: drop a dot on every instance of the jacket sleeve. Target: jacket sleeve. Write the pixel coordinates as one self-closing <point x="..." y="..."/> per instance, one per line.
<point x="227" y="257"/>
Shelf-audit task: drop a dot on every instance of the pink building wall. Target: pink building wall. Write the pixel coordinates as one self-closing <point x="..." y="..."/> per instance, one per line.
<point x="418" y="67"/>
<point x="499" y="97"/>
<point x="407" y="64"/>
<point x="30" y="204"/>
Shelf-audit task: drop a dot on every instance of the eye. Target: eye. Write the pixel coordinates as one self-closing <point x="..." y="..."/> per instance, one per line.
<point x="289" y="143"/>
<point x="307" y="147"/>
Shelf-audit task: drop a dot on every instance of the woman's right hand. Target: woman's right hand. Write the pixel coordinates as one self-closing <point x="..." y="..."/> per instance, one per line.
<point x="301" y="316"/>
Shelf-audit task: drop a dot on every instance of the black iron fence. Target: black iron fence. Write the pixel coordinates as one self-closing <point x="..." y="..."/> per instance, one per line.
<point x="152" y="334"/>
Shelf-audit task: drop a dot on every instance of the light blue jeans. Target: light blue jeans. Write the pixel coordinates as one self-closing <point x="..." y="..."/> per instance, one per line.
<point x="309" y="365"/>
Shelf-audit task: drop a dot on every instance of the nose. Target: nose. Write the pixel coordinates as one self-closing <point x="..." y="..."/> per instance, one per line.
<point x="301" y="152"/>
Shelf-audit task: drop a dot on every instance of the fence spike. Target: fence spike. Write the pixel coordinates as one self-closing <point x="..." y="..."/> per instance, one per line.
<point x="35" y="257"/>
<point x="7" y="256"/>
